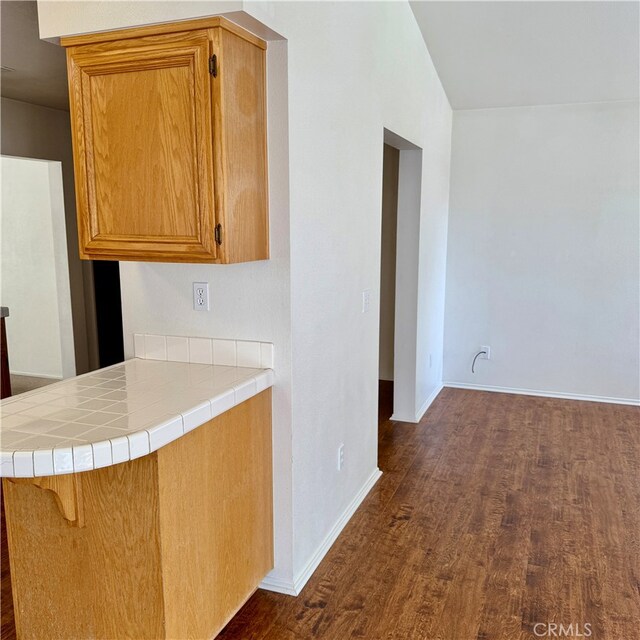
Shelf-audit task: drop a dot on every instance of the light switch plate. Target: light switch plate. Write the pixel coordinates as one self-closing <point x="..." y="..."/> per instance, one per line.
<point x="366" y="300"/>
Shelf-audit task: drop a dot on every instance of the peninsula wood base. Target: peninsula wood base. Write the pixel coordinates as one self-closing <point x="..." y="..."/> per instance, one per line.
<point x="169" y="545"/>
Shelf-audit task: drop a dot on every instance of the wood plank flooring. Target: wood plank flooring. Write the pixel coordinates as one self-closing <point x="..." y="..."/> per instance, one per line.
<point x="494" y="514"/>
<point x="497" y="512"/>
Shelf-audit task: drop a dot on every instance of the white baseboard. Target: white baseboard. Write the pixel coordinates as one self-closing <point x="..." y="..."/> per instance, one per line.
<point x="28" y="374"/>
<point x="295" y="587"/>
<point x="397" y="417"/>
<point x="428" y="401"/>
<point x="279" y="585"/>
<point x="304" y="575"/>
<point x="544" y="394"/>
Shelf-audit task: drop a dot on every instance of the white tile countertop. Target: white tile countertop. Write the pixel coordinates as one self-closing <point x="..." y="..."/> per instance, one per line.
<point x="117" y="414"/>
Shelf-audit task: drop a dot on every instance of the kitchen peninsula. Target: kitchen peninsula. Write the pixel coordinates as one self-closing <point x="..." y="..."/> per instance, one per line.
<point x="139" y="497"/>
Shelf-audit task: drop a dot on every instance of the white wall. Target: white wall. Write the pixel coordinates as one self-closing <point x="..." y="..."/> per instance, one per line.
<point x="351" y="70"/>
<point x="34" y="272"/>
<point x="355" y="68"/>
<point x="543" y="260"/>
<point x="34" y="131"/>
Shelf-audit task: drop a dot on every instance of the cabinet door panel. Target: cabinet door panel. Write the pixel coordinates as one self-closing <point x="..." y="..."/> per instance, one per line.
<point x="136" y="156"/>
<point x="147" y="148"/>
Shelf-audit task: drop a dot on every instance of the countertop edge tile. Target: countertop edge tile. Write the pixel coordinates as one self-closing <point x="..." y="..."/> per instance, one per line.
<point x="222" y="402"/>
<point x="167" y="431"/>
<point x="43" y="462"/>
<point x="138" y="444"/>
<point x="23" y="464"/>
<point x="264" y="380"/>
<point x="102" y="455"/>
<point x="245" y="390"/>
<point x="143" y="439"/>
<point x="197" y="416"/>
<point x="62" y="460"/>
<point x="82" y="458"/>
<point x="119" y="450"/>
<point x="6" y="464"/>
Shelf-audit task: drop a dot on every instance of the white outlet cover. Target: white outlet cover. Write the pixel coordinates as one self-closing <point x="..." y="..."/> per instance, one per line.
<point x="201" y="296"/>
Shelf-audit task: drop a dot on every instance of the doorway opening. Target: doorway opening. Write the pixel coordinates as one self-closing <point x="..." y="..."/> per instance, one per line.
<point x="388" y="243"/>
<point x="60" y="317"/>
<point x="108" y="304"/>
<point x="399" y="268"/>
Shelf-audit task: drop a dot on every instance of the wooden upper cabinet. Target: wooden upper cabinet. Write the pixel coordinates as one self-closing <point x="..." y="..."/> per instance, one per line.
<point x="169" y="141"/>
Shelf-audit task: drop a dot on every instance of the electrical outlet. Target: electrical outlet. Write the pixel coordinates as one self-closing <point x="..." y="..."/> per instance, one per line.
<point x="201" y="296"/>
<point x="366" y="300"/>
<point x="486" y="355"/>
<point x="430" y="361"/>
<point x="340" y="457"/>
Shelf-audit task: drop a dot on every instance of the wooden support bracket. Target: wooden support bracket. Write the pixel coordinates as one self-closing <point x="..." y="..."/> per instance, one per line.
<point x="67" y="490"/>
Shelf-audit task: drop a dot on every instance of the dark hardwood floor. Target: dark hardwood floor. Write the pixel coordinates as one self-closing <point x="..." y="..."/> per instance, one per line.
<point x="497" y="512"/>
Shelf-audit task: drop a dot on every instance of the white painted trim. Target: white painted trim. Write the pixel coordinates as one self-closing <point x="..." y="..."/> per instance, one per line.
<point x="279" y="585"/>
<point x="27" y="374"/>
<point x="423" y="409"/>
<point x="398" y="417"/>
<point x="428" y="402"/>
<point x="545" y="394"/>
<point x="284" y="586"/>
<point x="304" y="575"/>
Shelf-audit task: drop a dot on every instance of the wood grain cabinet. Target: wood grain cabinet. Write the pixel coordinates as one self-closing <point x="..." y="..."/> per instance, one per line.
<point x="168" y="546"/>
<point x="169" y="141"/>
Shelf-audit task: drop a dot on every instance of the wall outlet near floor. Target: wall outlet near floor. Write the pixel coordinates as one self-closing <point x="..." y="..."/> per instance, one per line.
<point x="430" y="361"/>
<point x="340" y="457"/>
<point x="486" y="355"/>
<point x="366" y="300"/>
<point x="201" y="296"/>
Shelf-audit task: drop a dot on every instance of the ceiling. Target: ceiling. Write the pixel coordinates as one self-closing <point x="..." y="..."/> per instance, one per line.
<point x="504" y="54"/>
<point x="40" y="71"/>
<point x="487" y="54"/>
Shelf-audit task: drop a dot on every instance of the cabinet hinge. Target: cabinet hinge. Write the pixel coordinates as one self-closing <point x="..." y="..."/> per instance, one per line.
<point x="213" y="65"/>
<point x="218" y="234"/>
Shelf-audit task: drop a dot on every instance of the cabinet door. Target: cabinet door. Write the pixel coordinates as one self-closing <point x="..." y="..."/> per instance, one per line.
<point x="141" y="116"/>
